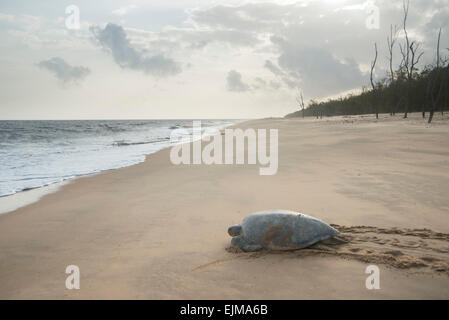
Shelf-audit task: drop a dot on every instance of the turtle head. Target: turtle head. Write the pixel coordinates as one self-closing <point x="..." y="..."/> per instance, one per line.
<point x="235" y="231"/>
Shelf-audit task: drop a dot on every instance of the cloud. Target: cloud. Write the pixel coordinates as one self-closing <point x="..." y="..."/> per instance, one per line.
<point x="235" y="83"/>
<point x="261" y="84"/>
<point x="257" y="17"/>
<point x="195" y="38"/>
<point x="303" y="51"/>
<point x="189" y="40"/>
<point x="315" y="69"/>
<point x="113" y="39"/>
<point x="325" y="47"/>
<point x="275" y="85"/>
<point x="273" y="68"/>
<point x="6" y="17"/>
<point x="63" y="71"/>
<point x="124" y="10"/>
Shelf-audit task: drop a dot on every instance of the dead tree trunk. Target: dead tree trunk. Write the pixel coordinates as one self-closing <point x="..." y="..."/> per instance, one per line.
<point x="406" y="54"/>
<point x="373" y="64"/>
<point x="410" y="58"/>
<point x="413" y="56"/>
<point x="436" y="79"/>
<point x="391" y="40"/>
<point x="300" y="101"/>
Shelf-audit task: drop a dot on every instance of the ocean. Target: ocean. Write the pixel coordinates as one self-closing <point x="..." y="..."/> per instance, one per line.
<point x="39" y="153"/>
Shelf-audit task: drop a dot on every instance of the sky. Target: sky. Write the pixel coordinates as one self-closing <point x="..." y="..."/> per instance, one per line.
<point x="196" y="59"/>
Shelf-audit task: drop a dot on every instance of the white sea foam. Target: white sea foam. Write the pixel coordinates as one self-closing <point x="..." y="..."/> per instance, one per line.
<point x="39" y="153"/>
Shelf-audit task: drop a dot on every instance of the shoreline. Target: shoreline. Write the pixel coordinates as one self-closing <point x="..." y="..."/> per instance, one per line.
<point x="24" y="198"/>
<point x="158" y="231"/>
<point x="12" y="202"/>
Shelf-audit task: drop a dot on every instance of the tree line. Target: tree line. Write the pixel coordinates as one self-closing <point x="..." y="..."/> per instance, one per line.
<point x="406" y="89"/>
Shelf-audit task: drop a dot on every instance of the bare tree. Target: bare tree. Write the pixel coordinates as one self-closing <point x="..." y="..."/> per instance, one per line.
<point x="410" y="57"/>
<point x="430" y="84"/>
<point x="436" y="81"/>
<point x="405" y="51"/>
<point x="373" y="65"/>
<point x="415" y="57"/>
<point x="427" y="99"/>
<point x="391" y="40"/>
<point x="300" y="101"/>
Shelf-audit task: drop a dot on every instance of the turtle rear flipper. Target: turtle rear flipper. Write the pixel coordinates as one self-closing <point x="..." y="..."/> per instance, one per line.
<point x="335" y="240"/>
<point x="328" y="245"/>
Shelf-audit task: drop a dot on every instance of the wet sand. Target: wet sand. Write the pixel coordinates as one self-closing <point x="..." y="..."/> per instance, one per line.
<point x="158" y="231"/>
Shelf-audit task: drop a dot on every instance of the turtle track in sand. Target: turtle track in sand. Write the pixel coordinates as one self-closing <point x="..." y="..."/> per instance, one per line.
<point x="414" y="250"/>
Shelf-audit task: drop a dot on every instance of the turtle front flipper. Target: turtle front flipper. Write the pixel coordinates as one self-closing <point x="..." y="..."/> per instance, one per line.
<point x="240" y="242"/>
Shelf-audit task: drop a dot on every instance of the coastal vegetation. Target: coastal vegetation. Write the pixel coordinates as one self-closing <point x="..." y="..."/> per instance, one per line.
<point x="404" y="90"/>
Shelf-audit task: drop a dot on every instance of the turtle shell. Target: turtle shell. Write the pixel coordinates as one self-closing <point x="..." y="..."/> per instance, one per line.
<point x="281" y="230"/>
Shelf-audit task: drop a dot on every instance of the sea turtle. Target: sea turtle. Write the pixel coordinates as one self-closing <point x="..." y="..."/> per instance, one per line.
<point x="279" y="230"/>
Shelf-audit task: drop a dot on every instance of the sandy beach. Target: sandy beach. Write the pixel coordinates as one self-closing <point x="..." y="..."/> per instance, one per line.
<point x="159" y="231"/>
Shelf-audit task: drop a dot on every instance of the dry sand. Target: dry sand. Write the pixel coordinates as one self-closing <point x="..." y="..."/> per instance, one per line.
<point x="158" y="231"/>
